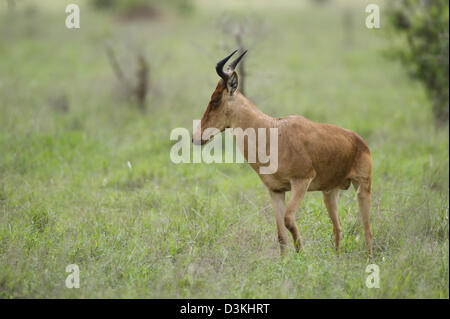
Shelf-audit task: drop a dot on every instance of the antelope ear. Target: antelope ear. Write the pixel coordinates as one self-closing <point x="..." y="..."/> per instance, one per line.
<point x="232" y="83"/>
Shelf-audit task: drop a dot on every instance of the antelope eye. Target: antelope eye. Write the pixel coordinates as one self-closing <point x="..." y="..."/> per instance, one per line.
<point x="215" y="101"/>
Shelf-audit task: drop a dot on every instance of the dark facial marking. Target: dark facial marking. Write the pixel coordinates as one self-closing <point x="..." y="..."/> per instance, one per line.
<point x="216" y="97"/>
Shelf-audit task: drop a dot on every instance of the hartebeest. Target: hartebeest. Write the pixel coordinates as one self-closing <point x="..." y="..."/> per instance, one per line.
<point x="311" y="156"/>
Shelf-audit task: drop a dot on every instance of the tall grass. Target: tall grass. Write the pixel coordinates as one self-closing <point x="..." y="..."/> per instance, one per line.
<point x="157" y="229"/>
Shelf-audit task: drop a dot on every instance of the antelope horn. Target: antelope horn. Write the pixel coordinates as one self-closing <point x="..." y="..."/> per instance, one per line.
<point x="233" y="64"/>
<point x="221" y="63"/>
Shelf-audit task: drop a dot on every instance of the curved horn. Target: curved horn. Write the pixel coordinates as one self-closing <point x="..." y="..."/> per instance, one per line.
<point x="221" y="63"/>
<point x="233" y="64"/>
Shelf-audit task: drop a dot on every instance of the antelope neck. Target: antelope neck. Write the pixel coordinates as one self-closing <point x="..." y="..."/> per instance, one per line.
<point x="246" y="115"/>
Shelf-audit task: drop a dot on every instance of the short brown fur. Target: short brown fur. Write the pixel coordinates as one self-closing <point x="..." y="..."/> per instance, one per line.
<point x="311" y="157"/>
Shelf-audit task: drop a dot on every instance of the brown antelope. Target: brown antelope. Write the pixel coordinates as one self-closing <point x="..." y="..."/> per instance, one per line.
<point x="311" y="156"/>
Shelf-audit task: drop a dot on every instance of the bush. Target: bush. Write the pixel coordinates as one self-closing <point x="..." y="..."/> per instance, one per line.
<point x="102" y="4"/>
<point x="182" y="6"/>
<point x="425" y="24"/>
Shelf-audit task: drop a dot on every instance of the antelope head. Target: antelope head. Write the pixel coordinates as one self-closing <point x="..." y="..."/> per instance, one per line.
<point x="220" y="108"/>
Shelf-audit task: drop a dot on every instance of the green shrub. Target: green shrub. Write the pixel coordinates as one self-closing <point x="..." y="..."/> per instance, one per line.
<point x="182" y="6"/>
<point x="103" y="4"/>
<point x="425" y="24"/>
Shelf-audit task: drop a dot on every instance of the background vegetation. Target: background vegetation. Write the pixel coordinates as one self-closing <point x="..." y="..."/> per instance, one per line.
<point x="86" y="177"/>
<point x="424" y="24"/>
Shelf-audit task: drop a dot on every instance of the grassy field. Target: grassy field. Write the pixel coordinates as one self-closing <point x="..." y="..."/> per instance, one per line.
<point x="89" y="181"/>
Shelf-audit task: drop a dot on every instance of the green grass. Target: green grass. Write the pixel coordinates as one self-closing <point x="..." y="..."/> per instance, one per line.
<point x="161" y="230"/>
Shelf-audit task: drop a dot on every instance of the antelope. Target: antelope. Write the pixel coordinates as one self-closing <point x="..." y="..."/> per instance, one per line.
<point x="311" y="157"/>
